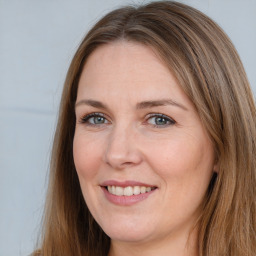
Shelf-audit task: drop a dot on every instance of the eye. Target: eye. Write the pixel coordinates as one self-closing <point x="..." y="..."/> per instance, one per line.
<point x="94" y="119"/>
<point x="160" y="120"/>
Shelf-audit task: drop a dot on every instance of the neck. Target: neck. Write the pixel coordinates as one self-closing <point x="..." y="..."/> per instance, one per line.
<point x="183" y="245"/>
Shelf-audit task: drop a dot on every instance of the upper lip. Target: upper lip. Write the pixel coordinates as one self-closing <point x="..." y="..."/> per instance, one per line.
<point x="126" y="183"/>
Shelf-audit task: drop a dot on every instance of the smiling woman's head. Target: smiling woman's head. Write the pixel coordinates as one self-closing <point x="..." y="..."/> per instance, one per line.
<point x="158" y="77"/>
<point x="149" y="160"/>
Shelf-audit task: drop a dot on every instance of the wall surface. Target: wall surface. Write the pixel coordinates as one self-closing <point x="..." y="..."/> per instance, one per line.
<point x="37" y="41"/>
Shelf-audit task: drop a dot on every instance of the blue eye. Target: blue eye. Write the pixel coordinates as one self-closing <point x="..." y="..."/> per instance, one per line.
<point x="94" y="119"/>
<point x="97" y="120"/>
<point x="160" y="120"/>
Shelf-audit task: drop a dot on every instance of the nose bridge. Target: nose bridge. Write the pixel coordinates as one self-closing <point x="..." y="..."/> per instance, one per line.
<point x="122" y="149"/>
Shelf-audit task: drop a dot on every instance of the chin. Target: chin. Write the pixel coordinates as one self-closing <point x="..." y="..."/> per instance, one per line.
<point x="129" y="237"/>
<point x="128" y="232"/>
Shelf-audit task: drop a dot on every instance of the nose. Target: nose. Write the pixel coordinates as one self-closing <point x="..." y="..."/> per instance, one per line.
<point x="122" y="149"/>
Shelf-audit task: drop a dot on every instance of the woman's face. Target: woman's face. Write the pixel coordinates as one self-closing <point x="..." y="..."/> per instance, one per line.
<point x="143" y="158"/>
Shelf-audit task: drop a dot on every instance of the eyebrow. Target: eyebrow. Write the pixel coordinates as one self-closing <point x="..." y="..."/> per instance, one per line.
<point x="93" y="103"/>
<point x="140" y="105"/>
<point x="158" y="103"/>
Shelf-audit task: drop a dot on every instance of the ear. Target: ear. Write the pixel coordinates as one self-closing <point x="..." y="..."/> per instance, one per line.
<point x="216" y="167"/>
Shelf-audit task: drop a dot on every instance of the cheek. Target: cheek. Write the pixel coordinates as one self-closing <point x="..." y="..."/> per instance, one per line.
<point x="174" y="157"/>
<point x="87" y="155"/>
<point x="184" y="164"/>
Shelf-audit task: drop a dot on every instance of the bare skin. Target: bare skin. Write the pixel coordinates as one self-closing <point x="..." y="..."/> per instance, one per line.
<point x="135" y="125"/>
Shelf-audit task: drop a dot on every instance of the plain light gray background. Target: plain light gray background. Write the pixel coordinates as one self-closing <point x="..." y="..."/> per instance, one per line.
<point x="37" y="41"/>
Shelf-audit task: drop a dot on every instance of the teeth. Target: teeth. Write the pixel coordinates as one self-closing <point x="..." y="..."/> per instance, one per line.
<point x="119" y="191"/>
<point x="136" y="190"/>
<point x="128" y="191"/>
<point x="148" y="189"/>
<point x="143" y="190"/>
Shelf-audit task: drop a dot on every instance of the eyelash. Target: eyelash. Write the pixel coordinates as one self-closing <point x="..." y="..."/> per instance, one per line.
<point x="86" y="119"/>
<point x="168" y="119"/>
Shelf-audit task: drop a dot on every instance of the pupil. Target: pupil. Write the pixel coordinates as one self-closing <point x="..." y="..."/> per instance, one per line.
<point x="160" y="120"/>
<point x="98" y="120"/>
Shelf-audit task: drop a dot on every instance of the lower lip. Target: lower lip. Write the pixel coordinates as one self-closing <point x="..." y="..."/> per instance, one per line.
<point x="126" y="200"/>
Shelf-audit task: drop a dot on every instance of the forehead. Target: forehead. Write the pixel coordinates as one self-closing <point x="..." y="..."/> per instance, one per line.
<point x="127" y="69"/>
<point x="134" y="58"/>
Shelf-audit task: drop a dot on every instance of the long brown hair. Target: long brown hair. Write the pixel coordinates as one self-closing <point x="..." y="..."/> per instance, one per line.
<point x="208" y="68"/>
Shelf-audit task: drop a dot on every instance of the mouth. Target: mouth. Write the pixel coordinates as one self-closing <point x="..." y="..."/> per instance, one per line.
<point x="129" y="190"/>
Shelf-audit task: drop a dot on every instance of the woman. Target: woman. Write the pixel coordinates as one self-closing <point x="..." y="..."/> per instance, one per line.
<point x="154" y="148"/>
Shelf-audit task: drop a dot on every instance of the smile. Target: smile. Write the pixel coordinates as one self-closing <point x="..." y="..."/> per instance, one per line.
<point x="127" y="193"/>
<point x="129" y="190"/>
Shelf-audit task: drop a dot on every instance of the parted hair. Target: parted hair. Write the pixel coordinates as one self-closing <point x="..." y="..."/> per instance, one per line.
<point x="206" y="65"/>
